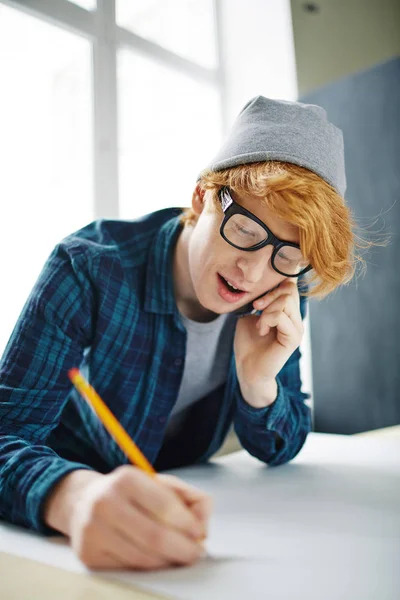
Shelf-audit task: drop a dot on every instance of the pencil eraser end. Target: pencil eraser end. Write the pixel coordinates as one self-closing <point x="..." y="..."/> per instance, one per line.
<point x="72" y="373"/>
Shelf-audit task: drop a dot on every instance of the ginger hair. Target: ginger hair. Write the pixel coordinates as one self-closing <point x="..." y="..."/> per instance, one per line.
<point x="302" y="198"/>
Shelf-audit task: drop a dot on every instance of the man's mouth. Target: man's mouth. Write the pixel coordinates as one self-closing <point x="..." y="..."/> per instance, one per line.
<point x="229" y="291"/>
<point x="230" y="286"/>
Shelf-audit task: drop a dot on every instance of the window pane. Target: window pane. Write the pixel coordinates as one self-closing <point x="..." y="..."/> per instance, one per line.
<point x="184" y="26"/>
<point x="169" y="130"/>
<point x="45" y="149"/>
<point x="88" y="4"/>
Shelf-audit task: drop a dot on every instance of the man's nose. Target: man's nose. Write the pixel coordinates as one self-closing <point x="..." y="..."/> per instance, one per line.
<point x="254" y="264"/>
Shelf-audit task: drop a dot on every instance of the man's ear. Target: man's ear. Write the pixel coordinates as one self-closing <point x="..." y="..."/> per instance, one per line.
<point x="198" y="200"/>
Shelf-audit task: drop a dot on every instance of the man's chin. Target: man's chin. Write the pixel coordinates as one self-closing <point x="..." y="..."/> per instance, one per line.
<point x="218" y="307"/>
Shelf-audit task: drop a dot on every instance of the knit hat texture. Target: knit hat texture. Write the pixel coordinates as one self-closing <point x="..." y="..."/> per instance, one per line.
<point x="298" y="133"/>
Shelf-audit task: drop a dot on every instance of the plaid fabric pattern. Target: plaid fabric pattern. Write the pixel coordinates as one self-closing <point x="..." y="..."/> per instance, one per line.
<point x="104" y="302"/>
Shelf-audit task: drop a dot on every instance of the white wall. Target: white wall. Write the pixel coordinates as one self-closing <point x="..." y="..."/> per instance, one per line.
<point x="342" y="37"/>
<point x="257" y="51"/>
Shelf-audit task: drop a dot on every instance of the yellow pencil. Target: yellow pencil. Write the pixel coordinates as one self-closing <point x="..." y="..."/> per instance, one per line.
<point x="112" y="425"/>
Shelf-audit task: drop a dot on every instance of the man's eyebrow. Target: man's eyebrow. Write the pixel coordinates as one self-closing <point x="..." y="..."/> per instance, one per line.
<point x="265" y="221"/>
<point x="283" y="238"/>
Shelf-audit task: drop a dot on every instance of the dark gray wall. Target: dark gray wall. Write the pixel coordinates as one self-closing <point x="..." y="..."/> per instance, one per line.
<point x="355" y="332"/>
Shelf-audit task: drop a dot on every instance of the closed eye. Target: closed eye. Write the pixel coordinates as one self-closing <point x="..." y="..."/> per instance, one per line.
<point x="244" y="231"/>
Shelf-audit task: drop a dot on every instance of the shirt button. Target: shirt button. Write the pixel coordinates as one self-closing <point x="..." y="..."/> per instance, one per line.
<point x="178" y="362"/>
<point x="162" y="419"/>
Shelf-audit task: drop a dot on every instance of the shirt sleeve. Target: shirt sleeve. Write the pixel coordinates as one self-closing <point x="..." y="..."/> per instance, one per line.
<point x="49" y="338"/>
<point x="276" y="433"/>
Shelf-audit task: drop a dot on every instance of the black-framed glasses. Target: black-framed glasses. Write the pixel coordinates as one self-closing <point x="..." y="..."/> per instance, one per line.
<point x="243" y="230"/>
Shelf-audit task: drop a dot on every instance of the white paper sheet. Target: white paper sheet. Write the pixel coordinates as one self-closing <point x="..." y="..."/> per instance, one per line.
<point x="325" y="526"/>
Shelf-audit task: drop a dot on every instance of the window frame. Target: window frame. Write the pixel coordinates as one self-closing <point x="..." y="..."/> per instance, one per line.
<point x="106" y="37"/>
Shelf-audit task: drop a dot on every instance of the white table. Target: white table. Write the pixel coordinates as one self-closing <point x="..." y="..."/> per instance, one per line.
<point x="327" y="525"/>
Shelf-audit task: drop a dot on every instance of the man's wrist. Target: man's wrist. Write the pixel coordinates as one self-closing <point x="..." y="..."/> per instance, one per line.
<point x="62" y="498"/>
<point x="261" y="397"/>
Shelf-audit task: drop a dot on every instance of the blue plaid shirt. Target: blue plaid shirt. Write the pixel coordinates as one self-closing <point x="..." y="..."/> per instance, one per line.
<point x="104" y="302"/>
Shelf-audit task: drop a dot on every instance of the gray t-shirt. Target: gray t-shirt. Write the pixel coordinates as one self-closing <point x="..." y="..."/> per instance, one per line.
<point x="208" y="350"/>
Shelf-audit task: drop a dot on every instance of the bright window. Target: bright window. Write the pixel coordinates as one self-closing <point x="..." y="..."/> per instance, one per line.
<point x="46" y="153"/>
<point x="169" y="130"/>
<point x="184" y="26"/>
<point x="169" y="122"/>
<point x="87" y="4"/>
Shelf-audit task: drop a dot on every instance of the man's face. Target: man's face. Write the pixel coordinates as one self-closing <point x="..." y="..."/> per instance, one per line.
<point x="213" y="262"/>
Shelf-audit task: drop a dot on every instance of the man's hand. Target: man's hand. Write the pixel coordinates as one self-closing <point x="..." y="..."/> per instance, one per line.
<point x="264" y="343"/>
<point x="128" y="520"/>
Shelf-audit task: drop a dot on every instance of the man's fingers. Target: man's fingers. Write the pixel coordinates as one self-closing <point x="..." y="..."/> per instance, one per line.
<point x="286" y="329"/>
<point x="295" y="316"/>
<point x="203" y="509"/>
<point x="157" y="499"/>
<point x="287" y="287"/>
<point x="289" y="327"/>
<point x="109" y="561"/>
<point x="190" y="492"/>
<point x="131" y="555"/>
<point x="108" y="548"/>
<point x="154" y="539"/>
<point x="289" y="305"/>
<point x="279" y="303"/>
<point x="200" y="502"/>
<point x="129" y="527"/>
<point x="270" y="317"/>
<point x="268" y="320"/>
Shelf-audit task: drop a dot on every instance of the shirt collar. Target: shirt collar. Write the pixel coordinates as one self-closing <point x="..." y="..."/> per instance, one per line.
<point x="159" y="294"/>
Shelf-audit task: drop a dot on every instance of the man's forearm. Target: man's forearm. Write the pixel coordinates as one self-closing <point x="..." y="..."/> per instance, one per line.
<point x="260" y="398"/>
<point x="28" y="476"/>
<point x="274" y="433"/>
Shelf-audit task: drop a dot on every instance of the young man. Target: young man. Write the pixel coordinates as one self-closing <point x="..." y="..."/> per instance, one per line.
<point x="148" y="310"/>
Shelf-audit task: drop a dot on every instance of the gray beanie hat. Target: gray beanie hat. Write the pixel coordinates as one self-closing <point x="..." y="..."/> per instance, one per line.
<point x="286" y="131"/>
